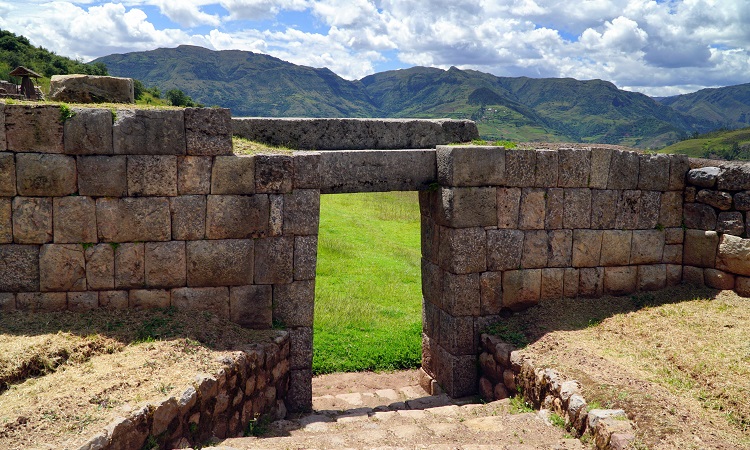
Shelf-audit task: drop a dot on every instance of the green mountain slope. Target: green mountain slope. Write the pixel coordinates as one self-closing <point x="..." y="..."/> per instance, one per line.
<point x="728" y="106"/>
<point x="722" y="144"/>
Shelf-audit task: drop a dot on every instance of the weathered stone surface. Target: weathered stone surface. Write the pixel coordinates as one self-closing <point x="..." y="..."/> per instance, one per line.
<point x="305" y="257"/>
<point x="730" y="222"/>
<point x="208" y="131"/>
<point x="603" y="214"/>
<point x="620" y="280"/>
<point x="674" y="235"/>
<point x="575" y="167"/>
<point x="7" y="299"/>
<point x="62" y="267"/>
<point x="649" y="206"/>
<point x="299" y="397"/>
<point x="306" y="170"/>
<point x="647" y="247"/>
<point x="100" y="267"/>
<point x="233" y="175"/>
<point x="679" y="165"/>
<point x="83" y="301"/>
<point x="251" y="306"/>
<point x="733" y="255"/>
<point x="6" y="221"/>
<point x="113" y="299"/>
<point x="717" y="199"/>
<point x="577" y="209"/>
<point x="519" y="168"/>
<point x="133" y="219"/>
<point x="461" y="294"/>
<point x="91" y="89"/>
<point x="32" y="220"/>
<point x="628" y="207"/>
<point x="652" y="277"/>
<point x="130" y="269"/>
<point x="33" y="128"/>
<point x="718" y="279"/>
<point x="692" y="275"/>
<point x="149" y="132"/>
<point x="226" y="262"/>
<point x="165" y="264"/>
<point x="148" y="298"/>
<point x="700" y="248"/>
<point x="468" y="207"/>
<point x="430" y="239"/>
<point x="7" y="174"/>
<point x="587" y="247"/>
<point x="508" y="207"/>
<point x="742" y="286"/>
<point x="188" y="214"/>
<point x="672" y="254"/>
<point x="302" y="212"/>
<point x="616" y="247"/>
<point x="491" y="293"/>
<point x="274" y="260"/>
<point x="273" y="174"/>
<point x="571" y="281"/>
<point x="535" y="249"/>
<point x="74" y="219"/>
<point x="275" y="214"/>
<point x="674" y="274"/>
<point x="41" y="301"/>
<point x="88" y="132"/>
<point x="300" y="346"/>
<point x="703" y="177"/>
<point x="670" y="211"/>
<point x="553" y="218"/>
<point x="152" y="176"/>
<point x="552" y="284"/>
<point x="432" y="283"/>
<point x="92" y="183"/>
<point x="293" y="303"/>
<point x="504" y="249"/>
<point x="214" y="299"/>
<point x="600" y="160"/>
<point x="463" y="250"/>
<point x="3" y="143"/>
<point x="194" y="174"/>
<point x="741" y="199"/>
<point x="41" y="175"/>
<point x="457" y="335"/>
<point x="533" y="207"/>
<point x="237" y="216"/>
<point x="653" y="172"/>
<point x="560" y="248"/>
<point x="521" y="288"/>
<point x="591" y="282"/>
<point x="623" y="170"/>
<point x="699" y="216"/>
<point x="456" y="374"/>
<point x="463" y="166"/>
<point x="734" y="178"/>
<point x="19" y="268"/>
<point x="546" y="168"/>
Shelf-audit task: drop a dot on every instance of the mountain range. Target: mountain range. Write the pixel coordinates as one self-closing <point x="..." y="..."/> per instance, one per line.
<point x="515" y="108"/>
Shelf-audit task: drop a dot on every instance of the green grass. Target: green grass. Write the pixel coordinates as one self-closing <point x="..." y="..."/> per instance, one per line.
<point x="727" y="144"/>
<point x="368" y="289"/>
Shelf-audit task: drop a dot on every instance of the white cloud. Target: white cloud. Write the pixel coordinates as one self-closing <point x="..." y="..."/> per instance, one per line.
<point x="186" y="13"/>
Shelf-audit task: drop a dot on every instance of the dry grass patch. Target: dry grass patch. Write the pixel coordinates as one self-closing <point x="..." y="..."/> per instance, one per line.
<point x="242" y="146"/>
<point x="677" y="361"/>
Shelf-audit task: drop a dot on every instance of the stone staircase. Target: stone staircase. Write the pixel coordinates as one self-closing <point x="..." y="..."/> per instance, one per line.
<point x="408" y="418"/>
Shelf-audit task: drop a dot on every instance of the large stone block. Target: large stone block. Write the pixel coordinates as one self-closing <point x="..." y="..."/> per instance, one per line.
<point x="600" y="160"/>
<point x="674" y="274"/>
<point x="275" y="214"/>
<point x="504" y="249"/>
<point x="700" y="248"/>
<point x="461" y="294"/>
<point x="8" y="174"/>
<point x="670" y="211"/>
<point x="603" y="212"/>
<point x="226" y="262"/>
<point x="653" y="172"/>
<point x="39" y="175"/>
<point x="521" y="288"/>
<point x="306" y="170"/>
<point x="188" y="214"/>
<point x="462" y="166"/>
<point x="302" y="212"/>
<point x="679" y="165"/>
<point x="533" y="208"/>
<point x="32" y="220"/>
<point x="520" y="168"/>
<point x="233" y="175"/>
<point x="194" y="174"/>
<point x="508" y="207"/>
<point x="535" y="249"/>
<point x="113" y="299"/>
<point x="79" y="88"/>
<point x="734" y="178"/>
<point x="591" y="283"/>
<point x="3" y="143"/>
<point x="152" y="176"/>
<point x="237" y="216"/>
<point x="547" y="166"/>
<point x="19" y="268"/>
<point x="491" y="293"/>
<point x="649" y="207"/>
<point x="299" y="397"/>
<point x="133" y="219"/>
<point x="293" y="303"/>
<point x="430" y="239"/>
<point x="251" y="306"/>
<point x="208" y="131"/>
<point x="130" y="265"/>
<point x="305" y="257"/>
<point x="148" y="298"/>
<point x="741" y="199"/>
<point x="616" y="247"/>
<point x="165" y="264"/>
<point x="100" y="266"/>
<point x="83" y="301"/>
<point x="457" y="334"/>
<point x="149" y="132"/>
<point x="652" y="277"/>
<point x="553" y="218"/>
<point x="672" y="254"/>
<point x="62" y="267"/>
<point x="742" y="286"/>
<point x="552" y="284"/>
<point x="571" y="282"/>
<point x="457" y="375"/>
<point x="88" y="132"/>
<point x="300" y="346"/>
<point x="274" y="260"/>
<point x="587" y="248"/>
<point x="34" y="128"/>
<point x="623" y="170"/>
<point x="577" y="210"/>
<point x="273" y="174"/>
<point x="468" y="207"/>
<point x="699" y="216"/>
<point x="575" y="167"/>
<point x="560" y="248"/>
<point x="620" y="280"/>
<point x="42" y="301"/>
<point x="718" y="279"/>
<point x="730" y="222"/>
<point x="7" y="299"/>
<point x="692" y="275"/>
<point x="648" y="247"/>
<point x="703" y="176"/>
<point x="74" y="219"/>
<point x="213" y="299"/>
<point x="432" y="283"/>
<point x="733" y="255"/>
<point x="463" y="250"/>
<point x="674" y="235"/>
<point x="6" y="221"/>
<point x="102" y="176"/>
<point x="718" y="199"/>
<point x="628" y="207"/>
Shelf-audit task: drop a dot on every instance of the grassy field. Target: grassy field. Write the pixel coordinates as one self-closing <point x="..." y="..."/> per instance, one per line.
<point x="726" y="144"/>
<point x="368" y="289"/>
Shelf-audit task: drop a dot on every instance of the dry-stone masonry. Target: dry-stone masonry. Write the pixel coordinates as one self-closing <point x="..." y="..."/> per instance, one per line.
<point x="91" y="89"/>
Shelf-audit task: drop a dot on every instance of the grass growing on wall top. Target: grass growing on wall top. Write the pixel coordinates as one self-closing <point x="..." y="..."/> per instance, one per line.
<point x="368" y="296"/>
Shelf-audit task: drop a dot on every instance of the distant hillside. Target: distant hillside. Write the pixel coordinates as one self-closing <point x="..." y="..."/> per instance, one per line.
<point x="727" y="107"/>
<point x="723" y="144"/>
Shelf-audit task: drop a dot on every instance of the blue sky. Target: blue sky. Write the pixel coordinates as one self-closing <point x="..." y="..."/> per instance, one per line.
<point x="659" y="48"/>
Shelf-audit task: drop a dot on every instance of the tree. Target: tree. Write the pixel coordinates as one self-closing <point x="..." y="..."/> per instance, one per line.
<point x="178" y="98"/>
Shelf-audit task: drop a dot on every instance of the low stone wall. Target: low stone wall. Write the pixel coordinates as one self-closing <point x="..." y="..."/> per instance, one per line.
<point x="254" y="382"/>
